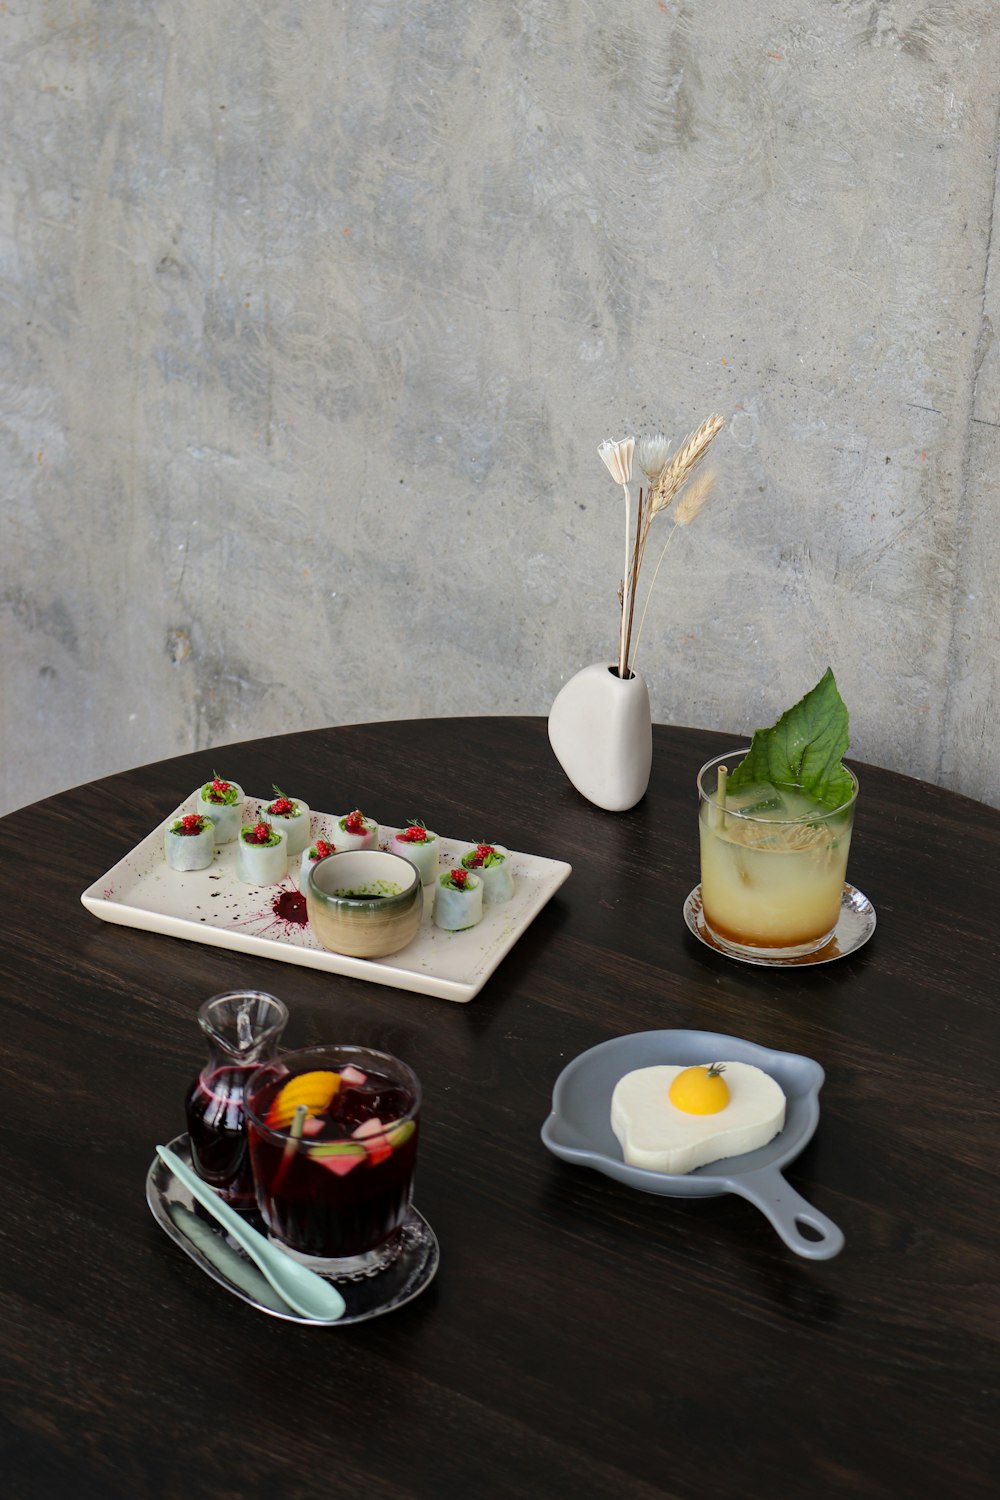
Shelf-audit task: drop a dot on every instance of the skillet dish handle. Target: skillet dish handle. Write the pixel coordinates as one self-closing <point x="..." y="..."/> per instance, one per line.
<point x="787" y="1211"/>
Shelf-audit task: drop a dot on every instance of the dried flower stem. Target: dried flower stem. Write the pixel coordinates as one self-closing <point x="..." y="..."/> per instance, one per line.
<point x="622" y="646"/>
<point x="649" y="591"/>
<point x="633" y="585"/>
<point x="688" y="506"/>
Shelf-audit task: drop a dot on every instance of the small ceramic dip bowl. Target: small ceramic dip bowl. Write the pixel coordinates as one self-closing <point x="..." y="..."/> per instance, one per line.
<point x="364" y="902"/>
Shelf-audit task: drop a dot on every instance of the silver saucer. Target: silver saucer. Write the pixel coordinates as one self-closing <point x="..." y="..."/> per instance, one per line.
<point x="211" y="1249"/>
<point x="854" y="927"/>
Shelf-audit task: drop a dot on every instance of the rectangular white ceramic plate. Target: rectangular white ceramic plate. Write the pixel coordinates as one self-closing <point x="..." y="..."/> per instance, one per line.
<point x="212" y="906"/>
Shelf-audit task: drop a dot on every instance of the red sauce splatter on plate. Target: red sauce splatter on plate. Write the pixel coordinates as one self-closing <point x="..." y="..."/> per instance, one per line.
<point x="290" y="906"/>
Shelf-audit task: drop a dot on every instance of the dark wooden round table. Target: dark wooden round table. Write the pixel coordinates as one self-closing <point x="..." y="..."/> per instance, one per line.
<point x="581" y="1339"/>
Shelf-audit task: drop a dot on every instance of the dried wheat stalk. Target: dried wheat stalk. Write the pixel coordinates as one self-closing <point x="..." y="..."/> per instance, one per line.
<point x="683" y="464"/>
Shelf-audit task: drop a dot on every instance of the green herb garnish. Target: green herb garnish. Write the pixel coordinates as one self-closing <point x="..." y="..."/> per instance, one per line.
<point x="222" y="793"/>
<point x="803" y="749"/>
<point x="483" y="857"/>
<point x="260" y="835"/>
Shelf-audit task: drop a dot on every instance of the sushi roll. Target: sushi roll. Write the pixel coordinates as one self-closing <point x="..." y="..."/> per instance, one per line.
<point x="459" y="900"/>
<point x="222" y="801"/>
<point x="310" y="855"/>
<point x="189" y="842"/>
<point x="292" y="816"/>
<point x="417" y="844"/>
<point x="262" y="854"/>
<point x="492" y="864"/>
<point x="355" y="831"/>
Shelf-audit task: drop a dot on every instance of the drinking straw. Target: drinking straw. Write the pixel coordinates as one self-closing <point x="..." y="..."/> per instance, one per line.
<point x="294" y="1136"/>
<point x="720" y="797"/>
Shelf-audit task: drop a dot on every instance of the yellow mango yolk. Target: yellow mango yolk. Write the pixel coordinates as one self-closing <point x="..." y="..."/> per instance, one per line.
<point x="314" y="1090"/>
<point x="699" y="1091"/>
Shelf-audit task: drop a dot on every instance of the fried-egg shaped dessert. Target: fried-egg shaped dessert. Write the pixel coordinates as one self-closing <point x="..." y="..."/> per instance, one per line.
<point x="672" y="1119"/>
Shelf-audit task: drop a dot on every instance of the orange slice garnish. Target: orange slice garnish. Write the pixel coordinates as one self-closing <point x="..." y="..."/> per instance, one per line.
<point x="314" y="1090"/>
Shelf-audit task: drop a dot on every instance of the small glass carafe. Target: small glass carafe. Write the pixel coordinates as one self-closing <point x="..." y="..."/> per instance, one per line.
<point x="243" y="1028"/>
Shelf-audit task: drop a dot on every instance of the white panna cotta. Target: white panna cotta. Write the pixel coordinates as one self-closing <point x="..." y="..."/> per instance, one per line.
<point x="262" y="859"/>
<point x="311" y="855"/>
<point x="458" y="900"/>
<point x="417" y="844"/>
<point x="657" y="1135"/>
<point x="491" y="862"/>
<point x="293" y="816"/>
<point x="222" y="801"/>
<point x="355" y="831"/>
<point x="189" y="842"/>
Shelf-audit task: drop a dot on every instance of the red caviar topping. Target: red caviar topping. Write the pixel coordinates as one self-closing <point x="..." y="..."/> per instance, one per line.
<point x="191" y="823"/>
<point x="415" y="834"/>
<point x="355" y="823"/>
<point x="459" y="877"/>
<point x="260" y="833"/>
<point x="281" y="807"/>
<point x="323" y="848"/>
<point x="216" y="791"/>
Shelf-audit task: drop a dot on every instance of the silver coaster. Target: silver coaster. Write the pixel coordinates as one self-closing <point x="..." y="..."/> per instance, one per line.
<point x="854" y="927"/>
<point x="211" y="1249"/>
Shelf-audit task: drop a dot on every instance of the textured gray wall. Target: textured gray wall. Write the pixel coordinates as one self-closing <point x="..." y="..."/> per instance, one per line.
<point x="314" y="314"/>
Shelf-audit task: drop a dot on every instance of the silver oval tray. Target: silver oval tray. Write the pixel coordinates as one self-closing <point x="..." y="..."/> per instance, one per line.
<point x="205" y="1240"/>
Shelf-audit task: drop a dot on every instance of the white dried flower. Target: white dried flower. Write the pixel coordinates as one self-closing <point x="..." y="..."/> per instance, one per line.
<point x="618" y="458"/>
<point x="653" y="455"/>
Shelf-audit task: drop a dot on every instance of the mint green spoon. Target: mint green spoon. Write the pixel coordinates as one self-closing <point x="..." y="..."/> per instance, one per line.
<point x="302" y="1289"/>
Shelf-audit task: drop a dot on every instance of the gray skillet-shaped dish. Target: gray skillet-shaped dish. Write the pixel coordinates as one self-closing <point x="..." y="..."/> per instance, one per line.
<point x="579" y="1128"/>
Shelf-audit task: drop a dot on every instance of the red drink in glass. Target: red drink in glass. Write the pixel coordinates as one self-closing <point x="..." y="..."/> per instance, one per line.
<point x="242" y="1028"/>
<point x="333" y="1137"/>
<point x="214" y="1110"/>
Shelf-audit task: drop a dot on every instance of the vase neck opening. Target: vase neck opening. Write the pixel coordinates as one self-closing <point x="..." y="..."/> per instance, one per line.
<point x="629" y="675"/>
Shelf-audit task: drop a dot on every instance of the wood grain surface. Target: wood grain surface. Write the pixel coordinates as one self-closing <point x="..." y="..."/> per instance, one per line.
<point x="581" y="1339"/>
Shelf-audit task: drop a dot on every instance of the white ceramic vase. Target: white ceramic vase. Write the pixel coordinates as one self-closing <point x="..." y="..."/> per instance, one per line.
<point x="601" y="731"/>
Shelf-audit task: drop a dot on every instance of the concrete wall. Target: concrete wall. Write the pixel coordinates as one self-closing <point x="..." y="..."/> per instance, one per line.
<point x="314" y="314"/>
